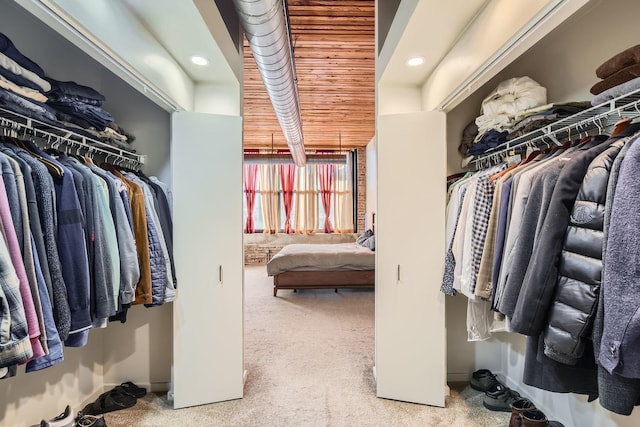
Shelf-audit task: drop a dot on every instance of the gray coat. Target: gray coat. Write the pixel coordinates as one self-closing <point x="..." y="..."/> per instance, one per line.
<point x="620" y="344"/>
<point x="617" y="394"/>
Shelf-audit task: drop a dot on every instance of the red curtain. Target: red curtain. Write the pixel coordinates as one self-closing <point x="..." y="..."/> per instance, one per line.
<point x="325" y="176"/>
<point x="287" y="181"/>
<point x="250" y="181"/>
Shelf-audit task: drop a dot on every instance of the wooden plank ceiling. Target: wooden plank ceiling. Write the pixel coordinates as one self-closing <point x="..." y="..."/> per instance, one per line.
<point x="334" y="52"/>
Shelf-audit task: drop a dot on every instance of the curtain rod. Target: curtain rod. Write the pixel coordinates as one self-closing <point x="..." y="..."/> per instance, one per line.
<point x="257" y="158"/>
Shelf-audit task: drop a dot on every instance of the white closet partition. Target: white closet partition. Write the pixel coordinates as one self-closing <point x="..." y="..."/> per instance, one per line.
<point x="410" y="223"/>
<point x="208" y="311"/>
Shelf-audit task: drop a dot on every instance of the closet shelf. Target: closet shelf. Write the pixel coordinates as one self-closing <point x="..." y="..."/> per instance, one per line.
<point x="14" y="124"/>
<point x="595" y="119"/>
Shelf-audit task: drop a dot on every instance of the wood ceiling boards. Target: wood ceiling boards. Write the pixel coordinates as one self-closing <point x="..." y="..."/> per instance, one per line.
<point x="335" y="62"/>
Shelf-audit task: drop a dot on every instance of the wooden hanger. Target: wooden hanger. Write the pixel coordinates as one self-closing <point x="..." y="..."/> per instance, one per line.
<point x="620" y="126"/>
<point x="53" y="168"/>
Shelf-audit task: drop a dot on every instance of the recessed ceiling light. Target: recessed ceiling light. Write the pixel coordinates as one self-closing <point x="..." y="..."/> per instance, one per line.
<point x="414" y="62"/>
<point x="199" y="60"/>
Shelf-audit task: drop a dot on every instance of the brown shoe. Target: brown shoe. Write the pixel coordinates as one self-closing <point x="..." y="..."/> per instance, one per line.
<point x="518" y="407"/>
<point x="535" y="418"/>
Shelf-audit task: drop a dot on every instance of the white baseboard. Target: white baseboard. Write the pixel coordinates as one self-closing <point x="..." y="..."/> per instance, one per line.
<point x="151" y="387"/>
<point x="455" y="377"/>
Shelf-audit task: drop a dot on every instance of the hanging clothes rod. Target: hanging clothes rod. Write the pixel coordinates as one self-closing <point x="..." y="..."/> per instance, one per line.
<point x="53" y="136"/>
<point x="596" y="119"/>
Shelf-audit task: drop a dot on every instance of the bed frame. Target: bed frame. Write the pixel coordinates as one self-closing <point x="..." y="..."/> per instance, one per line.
<point x="323" y="280"/>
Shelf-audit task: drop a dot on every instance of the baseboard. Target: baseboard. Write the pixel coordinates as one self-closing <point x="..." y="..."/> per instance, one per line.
<point x="158" y="387"/>
<point x="457" y="377"/>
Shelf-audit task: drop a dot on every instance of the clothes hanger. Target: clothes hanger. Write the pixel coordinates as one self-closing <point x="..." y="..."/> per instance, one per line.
<point x="620" y="126"/>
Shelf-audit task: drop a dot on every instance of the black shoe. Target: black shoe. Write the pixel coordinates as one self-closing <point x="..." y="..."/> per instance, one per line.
<point x="483" y="380"/>
<point x="500" y="398"/>
<point x="91" y="421"/>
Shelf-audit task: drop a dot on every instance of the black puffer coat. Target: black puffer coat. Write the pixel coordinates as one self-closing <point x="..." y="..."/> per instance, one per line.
<point x="574" y="305"/>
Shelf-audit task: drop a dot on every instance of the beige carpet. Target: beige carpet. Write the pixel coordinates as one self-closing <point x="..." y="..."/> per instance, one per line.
<point x="309" y="357"/>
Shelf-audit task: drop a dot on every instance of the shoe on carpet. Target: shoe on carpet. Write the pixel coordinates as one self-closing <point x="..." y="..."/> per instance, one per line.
<point x="535" y="418"/>
<point x="133" y="390"/>
<point x="499" y="398"/>
<point x="109" y="401"/>
<point x="91" y="421"/>
<point x="65" y="419"/>
<point x="483" y="380"/>
<point x="518" y="407"/>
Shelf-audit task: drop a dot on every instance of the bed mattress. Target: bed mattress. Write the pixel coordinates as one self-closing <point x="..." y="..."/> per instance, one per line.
<point x="322" y="257"/>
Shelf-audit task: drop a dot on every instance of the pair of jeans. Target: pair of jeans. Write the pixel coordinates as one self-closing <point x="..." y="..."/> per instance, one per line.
<point x="95" y="116"/>
<point x="71" y="88"/>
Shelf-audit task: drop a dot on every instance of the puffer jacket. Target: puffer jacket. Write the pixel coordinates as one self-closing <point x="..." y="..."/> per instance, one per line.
<point x="570" y="318"/>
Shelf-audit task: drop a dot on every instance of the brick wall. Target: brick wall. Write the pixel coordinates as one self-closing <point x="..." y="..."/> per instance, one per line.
<point x="362" y="189"/>
<point x="259" y="248"/>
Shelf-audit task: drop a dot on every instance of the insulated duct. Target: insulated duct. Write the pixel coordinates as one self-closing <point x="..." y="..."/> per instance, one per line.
<point x="266" y="28"/>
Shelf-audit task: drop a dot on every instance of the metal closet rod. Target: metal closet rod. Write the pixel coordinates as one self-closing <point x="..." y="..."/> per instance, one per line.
<point x="598" y="118"/>
<point x="55" y="137"/>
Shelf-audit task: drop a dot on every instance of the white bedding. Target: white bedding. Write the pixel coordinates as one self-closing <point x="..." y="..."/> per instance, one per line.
<point x="322" y="257"/>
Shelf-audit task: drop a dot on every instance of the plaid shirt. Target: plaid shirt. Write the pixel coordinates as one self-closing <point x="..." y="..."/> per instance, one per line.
<point x="481" y="211"/>
<point x="15" y="346"/>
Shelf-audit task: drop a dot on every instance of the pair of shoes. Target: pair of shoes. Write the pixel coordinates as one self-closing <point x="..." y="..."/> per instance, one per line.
<point x="483" y="380"/>
<point x="65" y="419"/>
<point x="499" y="398"/>
<point x="109" y="401"/>
<point x="90" y="421"/>
<point x="525" y="414"/>
<point x="518" y="407"/>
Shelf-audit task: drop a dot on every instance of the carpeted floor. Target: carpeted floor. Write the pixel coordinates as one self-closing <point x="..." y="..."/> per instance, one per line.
<point x="309" y="357"/>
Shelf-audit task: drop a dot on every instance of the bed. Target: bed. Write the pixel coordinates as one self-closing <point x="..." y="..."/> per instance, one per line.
<point x="322" y="266"/>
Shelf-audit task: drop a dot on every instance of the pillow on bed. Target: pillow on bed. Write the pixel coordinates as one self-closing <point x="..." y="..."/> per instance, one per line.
<point x="364" y="236"/>
<point x="370" y="243"/>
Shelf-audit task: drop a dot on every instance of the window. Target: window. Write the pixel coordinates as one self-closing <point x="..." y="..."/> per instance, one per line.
<point x="307" y="210"/>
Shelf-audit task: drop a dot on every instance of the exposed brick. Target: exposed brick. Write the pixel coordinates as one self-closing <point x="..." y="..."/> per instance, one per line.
<point x="259" y="248"/>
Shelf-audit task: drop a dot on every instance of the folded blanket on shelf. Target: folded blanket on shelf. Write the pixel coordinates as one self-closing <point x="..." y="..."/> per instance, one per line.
<point x="618" y="62"/>
<point x="622" y="76"/>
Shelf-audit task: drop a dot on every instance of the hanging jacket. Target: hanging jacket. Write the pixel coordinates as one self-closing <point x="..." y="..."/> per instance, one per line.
<point x="538" y="287"/>
<point x="580" y="270"/>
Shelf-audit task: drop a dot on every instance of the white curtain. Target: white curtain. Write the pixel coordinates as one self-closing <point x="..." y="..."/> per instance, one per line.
<point x="343" y="199"/>
<point x="269" y="197"/>
<point x="306" y="199"/>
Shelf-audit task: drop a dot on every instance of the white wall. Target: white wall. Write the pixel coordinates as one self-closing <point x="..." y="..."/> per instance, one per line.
<point x="398" y="99"/>
<point x="372" y="181"/>
<point x="564" y="62"/>
<point x="139" y="349"/>
<point x="218" y="99"/>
